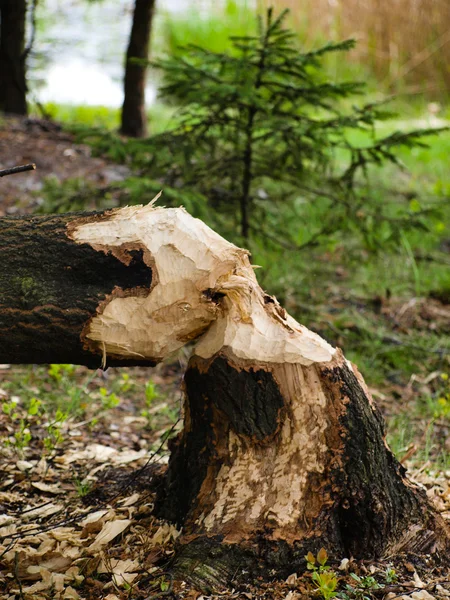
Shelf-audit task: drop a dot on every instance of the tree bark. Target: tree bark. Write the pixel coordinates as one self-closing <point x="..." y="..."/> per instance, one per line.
<point x="283" y="450"/>
<point x="134" y="119"/>
<point x="279" y="459"/>
<point x="91" y="300"/>
<point x="13" y="88"/>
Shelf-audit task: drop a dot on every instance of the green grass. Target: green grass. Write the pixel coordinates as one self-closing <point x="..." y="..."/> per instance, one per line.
<point x="210" y="29"/>
<point x="91" y="116"/>
<point x="76" y="117"/>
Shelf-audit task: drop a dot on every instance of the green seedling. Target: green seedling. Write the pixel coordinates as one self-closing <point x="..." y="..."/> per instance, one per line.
<point x="151" y="393"/>
<point x="390" y="575"/>
<point x="21" y="420"/>
<point x="55" y="437"/>
<point x="58" y="372"/>
<point x="324" y="578"/>
<point x="82" y="486"/>
<point x="109" y="400"/>
<point x="362" y="589"/>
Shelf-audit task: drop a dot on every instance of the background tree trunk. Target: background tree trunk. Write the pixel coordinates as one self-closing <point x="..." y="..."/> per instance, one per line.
<point x="13" y="86"/>
<point x="134" y="119"/>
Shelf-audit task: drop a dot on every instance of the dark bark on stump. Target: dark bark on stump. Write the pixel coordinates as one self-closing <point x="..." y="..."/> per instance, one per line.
<point x="51" y="288"/>
<point x="357" y="503"/>
<point x="13" y="86"/>
<point x="134" y="119"/>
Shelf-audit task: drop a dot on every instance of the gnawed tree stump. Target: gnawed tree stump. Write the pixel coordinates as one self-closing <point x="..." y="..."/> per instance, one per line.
<point x="283" y="450"/>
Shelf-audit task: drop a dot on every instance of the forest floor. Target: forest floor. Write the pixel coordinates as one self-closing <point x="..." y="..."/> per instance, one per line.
<point x="79" y="448"/>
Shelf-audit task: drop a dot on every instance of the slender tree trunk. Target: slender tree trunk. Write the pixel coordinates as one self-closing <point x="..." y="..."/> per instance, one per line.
<point x="245" y="198"/>
<point x="13" y="86"/>
<point x="283" y="450"/>
<point x="134" y="120"/>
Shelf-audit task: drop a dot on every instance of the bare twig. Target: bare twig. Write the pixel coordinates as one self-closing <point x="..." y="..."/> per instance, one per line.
<point x="21" y="169"/>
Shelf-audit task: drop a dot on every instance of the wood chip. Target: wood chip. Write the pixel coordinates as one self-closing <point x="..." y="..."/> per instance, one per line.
<point x="110" y="530"/>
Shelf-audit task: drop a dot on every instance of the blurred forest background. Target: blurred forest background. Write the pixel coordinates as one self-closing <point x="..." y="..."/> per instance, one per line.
<point x="317" y="154"/>
<point x="317" y="138"/>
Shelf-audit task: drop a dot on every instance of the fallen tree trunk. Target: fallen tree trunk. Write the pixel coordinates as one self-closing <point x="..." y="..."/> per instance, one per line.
<point x="52" y="288"/>
<point x="73" y="291"/>
<point x="283" y="450"/>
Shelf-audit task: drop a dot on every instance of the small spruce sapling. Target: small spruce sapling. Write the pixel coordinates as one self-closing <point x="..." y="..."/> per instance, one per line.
<point x="266" y="139"/>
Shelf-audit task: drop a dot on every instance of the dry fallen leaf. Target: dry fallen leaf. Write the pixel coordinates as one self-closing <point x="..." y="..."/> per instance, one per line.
<point x="109" y="531"/>
<point x="25" y="465"/>
<point x="421" y="595"/>
<point x="70" y="594"/>
<point x="165" y="534"/>
<point x="122" y="571"/>
<point x="418" y="583"/>
<point x="45" y="583"/>
<point x="130" y="500"/>
<point x="73" y="574"/>
<point x="7" y="531"/>
<point x="10" y="496"/>
<point x="442" y="591"/>
<point x="42" y="511"/>
<point x="128" y="456"/>
<point x="58" y="582"/>
<point x="91" y="528"/>
<point x="45" y="487"/>
<point x="344" y="564"/>
<point x="102" y="454"/>
<point x="96" y="516"/>
<point x="66" y="534"/>
<point x="35" y="566"/>
<point x="6" y="520"/>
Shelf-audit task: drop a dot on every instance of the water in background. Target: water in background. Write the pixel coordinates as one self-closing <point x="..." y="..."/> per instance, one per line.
<point x="80" y="47"/>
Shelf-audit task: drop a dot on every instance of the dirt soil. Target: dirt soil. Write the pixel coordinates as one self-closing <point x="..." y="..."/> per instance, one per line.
<point x="54" y="153"/>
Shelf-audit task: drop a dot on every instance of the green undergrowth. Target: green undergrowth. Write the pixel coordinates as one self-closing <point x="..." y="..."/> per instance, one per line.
<point x="42" y="406"/>
<point x="83" y="115"/>
<point x="89" y="119"/>
<point x="210" y="28"/>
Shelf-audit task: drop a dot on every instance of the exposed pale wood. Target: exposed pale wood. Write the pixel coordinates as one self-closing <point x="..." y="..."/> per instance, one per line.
<point x="189" y="263"/>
